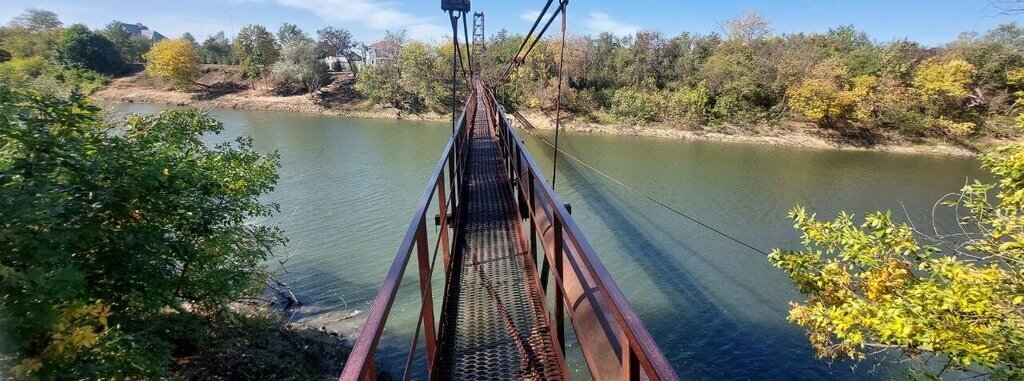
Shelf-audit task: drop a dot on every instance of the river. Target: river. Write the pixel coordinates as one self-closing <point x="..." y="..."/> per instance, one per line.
<point x="348" y="187"/>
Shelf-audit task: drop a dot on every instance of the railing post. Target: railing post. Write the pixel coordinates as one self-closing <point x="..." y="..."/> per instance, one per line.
<point x="532" y="211"/>
<point x="442" y="203"/>
<point x="559" y="309"/>
<point x="423" y="254"/>
<point x="630" y="363"/>
<point x="453" y="157"/>
<point x="370" y="374"/>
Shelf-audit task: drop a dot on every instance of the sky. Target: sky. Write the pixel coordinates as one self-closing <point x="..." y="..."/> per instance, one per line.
<point x="930" y="22"/>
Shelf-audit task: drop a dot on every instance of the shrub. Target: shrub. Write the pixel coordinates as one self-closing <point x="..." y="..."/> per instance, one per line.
<point x="109" y="227"/>
<point x="175" y="61"/>
<point x="690" y="105"/>
<point x="78" y="47"/>
<point x="18" y="72"/>
<point x="637" y="104"/>
<point x="299" y="69"/>
<point x="886" y="287"/>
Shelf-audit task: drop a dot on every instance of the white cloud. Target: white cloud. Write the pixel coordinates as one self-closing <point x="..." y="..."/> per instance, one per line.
<point x="529" y="15"/>
<point x="374" y="14"/>
<point x="602" y="22"/>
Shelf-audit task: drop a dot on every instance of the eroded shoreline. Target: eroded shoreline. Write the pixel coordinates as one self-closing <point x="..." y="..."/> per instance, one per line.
<point x="124" y="92"/>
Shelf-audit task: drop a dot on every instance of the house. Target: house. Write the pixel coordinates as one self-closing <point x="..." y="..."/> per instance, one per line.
<point x="340" y="63"/>
<point x="138" y="29"/>
<point x="382" y="52"/>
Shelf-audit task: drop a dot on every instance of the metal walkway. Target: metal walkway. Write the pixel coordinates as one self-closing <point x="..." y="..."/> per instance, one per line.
<point x="517" y="273"/>
<point x="495" y="325"/>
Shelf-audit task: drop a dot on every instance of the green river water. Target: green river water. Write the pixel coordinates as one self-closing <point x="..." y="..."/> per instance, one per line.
<point x="348" y="187"/>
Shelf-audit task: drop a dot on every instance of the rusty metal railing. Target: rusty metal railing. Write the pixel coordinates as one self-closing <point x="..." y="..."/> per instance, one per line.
<point x="613" y="339"/>
<point x="451" y="167"/>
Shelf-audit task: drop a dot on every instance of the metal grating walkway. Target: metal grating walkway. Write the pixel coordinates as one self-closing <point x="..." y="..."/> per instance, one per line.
<point x="495" y="326"/>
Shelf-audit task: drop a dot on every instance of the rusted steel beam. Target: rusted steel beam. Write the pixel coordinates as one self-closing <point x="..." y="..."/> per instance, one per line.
<point x="360" y="364"/>
<point x="442" y="205"/>
<point x="426" y="293"/>
<point x="599" y="306"/>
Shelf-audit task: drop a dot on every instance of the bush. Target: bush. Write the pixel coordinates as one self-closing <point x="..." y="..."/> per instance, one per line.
<point x="689" y="105"/>
<point x="36" y="73"/>
<point x="78" y="47"/>
<point x="299" y="70"/>
<point x="18" y="72"/>
<point x="109" y="228"/>
<point x="883" y="287"/>
<point x="637" y="104"/>
<point x="175" y="61"/>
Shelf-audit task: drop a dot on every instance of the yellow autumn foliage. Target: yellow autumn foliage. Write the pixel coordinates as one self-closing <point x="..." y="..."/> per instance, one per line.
<point x="826" y="97"/>
<point x="936" y="79"/>
<point x="79" y="326"/>
<point x="175" y="61"/>
<point x="883" y="286"/>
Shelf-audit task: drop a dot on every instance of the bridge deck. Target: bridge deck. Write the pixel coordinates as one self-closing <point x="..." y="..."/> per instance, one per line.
<point x="494" y="324"/>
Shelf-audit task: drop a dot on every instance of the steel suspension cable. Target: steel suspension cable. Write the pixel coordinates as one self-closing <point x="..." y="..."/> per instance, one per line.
<point x="519" y="50"/>
<point x="561" y="9"/>
<point x="465" y="37"/>
<point x="455" y="44"/>
<point x="645" y="194"/>
<point x="558" y="100"/>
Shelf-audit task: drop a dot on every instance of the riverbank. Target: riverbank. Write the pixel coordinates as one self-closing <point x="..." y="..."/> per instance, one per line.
<point x="794" y="135"/>
<point x="220" y="89"/>
<point x="338" y="99"/>
<point x="258" y="342"/>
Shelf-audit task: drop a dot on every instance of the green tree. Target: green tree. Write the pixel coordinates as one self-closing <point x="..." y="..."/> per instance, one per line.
<point x="131" y="48"/>
<point x="35" y="19"/>
<point x="113" y="232"/>
<point x="288" y="31"/>
<point x="256" y="49"/>
<point x="78" y="47"/>
<point x="34" y="33"/>
<point x="338" y="42"/>
<point x="216" y="49"/>
<point x="300" y="68"/>
<point x="380" y="85"/>
<point x="885" y="286"/>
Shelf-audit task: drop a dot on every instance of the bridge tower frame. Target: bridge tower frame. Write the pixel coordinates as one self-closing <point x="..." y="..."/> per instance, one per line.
<point x="479" y="43"/>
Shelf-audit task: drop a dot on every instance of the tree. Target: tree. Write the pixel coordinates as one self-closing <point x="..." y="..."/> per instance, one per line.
<point x="828" y="96"/>
<point x="190" y="38"/>
<point x="300" y="68"/>
<point x="885" y="286"/>
<point x="256" y="49"/>
<point x="114" y="234"/>
<point x="217" y="49"/>
<point x="78" y="47"/>
<point x="29" y="41"/>
<point x="338" y="42"/>
<point x="176" y="61"/>
<point x="747" y="28"/>
<point x="131" y="48"/>
<point x="936" y="79"/>
<point x="944" y="86"/>
<point x="289" y="31"/>
<point x="36" y="20"/>
<point x="380" y="85"/>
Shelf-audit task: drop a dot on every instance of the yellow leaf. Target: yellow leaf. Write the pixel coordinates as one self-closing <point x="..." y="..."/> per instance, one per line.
<point x="27" y="366"/>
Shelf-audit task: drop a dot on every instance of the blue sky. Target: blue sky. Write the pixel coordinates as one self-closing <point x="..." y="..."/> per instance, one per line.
<point x="930" y="22"/>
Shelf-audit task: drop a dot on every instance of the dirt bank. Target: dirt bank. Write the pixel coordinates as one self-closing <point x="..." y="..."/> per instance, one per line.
<point x="220" y="87"/>
<point x="791" y="136"/>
